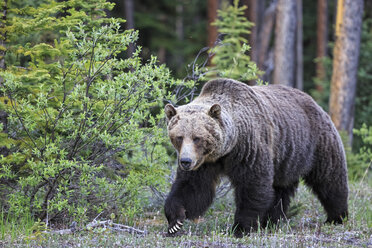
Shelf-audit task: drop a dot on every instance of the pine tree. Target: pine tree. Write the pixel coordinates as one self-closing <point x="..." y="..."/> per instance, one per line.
<point x="231" y="59"/>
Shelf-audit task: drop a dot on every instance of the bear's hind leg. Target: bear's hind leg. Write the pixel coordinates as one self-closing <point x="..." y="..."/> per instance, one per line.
<point x="279" y="208"/>
<point x="333" y="199"/>
<point x="328" y="180"/>
<point x="252" y="203"/>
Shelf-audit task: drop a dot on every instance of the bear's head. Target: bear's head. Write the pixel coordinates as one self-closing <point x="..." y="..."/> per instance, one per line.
<point x="196" y="133"/>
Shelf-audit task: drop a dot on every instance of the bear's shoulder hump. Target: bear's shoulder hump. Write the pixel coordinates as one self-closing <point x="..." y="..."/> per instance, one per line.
<point x="224" y="86"/>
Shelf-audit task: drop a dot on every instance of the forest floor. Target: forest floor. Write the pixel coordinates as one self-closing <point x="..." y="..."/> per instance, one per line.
<point x="304" y="229"/>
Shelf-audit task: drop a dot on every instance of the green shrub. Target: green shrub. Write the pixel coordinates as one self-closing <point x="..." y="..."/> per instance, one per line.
<point x="83" y="128"/>
<point x="360" y="163"/>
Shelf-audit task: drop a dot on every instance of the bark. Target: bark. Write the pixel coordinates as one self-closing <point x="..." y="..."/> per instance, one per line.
<point x="179" y="31"/>
<point x="129" y="11"/>
<point x="299" y="48"/>
<point x="269" y="66"/>
<point x="322" y="39"/>
<point x="212" y="16"/>
<point x="252" y="14"/>
<point x="162" y="55"/>
<point x="265" y="35"/>
<point x="285" y="40"/>
<point x="345" y="64"/>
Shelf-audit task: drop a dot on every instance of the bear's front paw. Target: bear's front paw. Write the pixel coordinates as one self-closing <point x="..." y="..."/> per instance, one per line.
<point x="175" y="214"/>
<point x="174" y="228"/>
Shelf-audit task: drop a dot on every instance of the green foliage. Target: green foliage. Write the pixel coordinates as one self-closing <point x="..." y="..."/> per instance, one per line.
<point x="12" y="228"/>
<point x="230" y="58"/>
<point x="42" y="21"/>
<point x="83" y="128"/>
<point x="366" y="135"/>
<point x="360" y="164"/>
<point x="38" y="230"/>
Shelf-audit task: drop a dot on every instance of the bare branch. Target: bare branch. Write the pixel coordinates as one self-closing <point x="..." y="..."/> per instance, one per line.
<point x="103" y="224"/>
<point x="21" y="120"/>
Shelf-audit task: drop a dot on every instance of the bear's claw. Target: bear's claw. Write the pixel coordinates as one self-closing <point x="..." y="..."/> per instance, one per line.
<point x="175" y="228"/>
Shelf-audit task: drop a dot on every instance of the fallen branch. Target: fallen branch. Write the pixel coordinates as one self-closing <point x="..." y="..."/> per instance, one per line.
<point x="108" y="224"/>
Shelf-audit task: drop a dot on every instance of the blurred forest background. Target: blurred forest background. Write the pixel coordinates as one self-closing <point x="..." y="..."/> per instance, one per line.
<point x="82" y="91"/>
<point x="176" y="31"/>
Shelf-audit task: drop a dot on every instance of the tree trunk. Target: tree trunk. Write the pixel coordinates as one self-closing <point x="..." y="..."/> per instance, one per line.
<point x="322" y="39"/>
<point x="162" y="54"/>
<point x="285" y="40"/>
<point x="345" y="64"/>
<point x="299" y="49"/>
<point x="265" y="35"/>
<point x="212" y="16"/>
<point x="252" y="15"/>
<point x="129" y="10"/>
<point x="179" y="32"/>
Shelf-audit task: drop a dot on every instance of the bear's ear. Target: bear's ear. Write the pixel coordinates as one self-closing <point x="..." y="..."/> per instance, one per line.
<point x="170" y="111"/>
<point x="215" y="111"/>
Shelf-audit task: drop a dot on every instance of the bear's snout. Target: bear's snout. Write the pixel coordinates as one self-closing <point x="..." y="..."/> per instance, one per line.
<point x="185" y="163"/>
<point x="189" y="157"/>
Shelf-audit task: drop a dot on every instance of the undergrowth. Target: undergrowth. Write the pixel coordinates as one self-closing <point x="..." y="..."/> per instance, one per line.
<point x="304" y="229"/>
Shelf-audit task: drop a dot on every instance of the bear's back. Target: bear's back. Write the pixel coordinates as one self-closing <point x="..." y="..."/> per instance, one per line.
<point x="229" y="88"/>
<point x="271" y="101"/>
<point x="288" y="121"/>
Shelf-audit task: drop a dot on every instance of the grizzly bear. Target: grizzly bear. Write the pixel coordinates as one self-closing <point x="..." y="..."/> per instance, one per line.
<point x="264" y="139"/>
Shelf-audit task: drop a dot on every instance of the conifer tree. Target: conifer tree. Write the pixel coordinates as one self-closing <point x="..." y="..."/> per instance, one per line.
<point x="231" y="59"/>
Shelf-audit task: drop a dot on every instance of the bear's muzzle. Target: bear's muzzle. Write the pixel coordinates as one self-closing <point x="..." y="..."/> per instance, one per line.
<point x="185" y="163"/>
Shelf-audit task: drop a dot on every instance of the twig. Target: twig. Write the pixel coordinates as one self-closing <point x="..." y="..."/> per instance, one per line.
<point x="95" y="219"/>
<point x="120" y="227"/>
<point x="105" y="224"/>
<point x="13" y="104"/>
<point x="158" y="194"/>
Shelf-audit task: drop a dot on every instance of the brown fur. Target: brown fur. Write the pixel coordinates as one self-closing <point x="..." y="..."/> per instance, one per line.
<point x="264" y="138"/>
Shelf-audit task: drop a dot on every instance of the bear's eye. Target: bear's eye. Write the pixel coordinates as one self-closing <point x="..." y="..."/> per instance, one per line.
<point x="196" y="140"/>
<point x="179" y="139"/>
